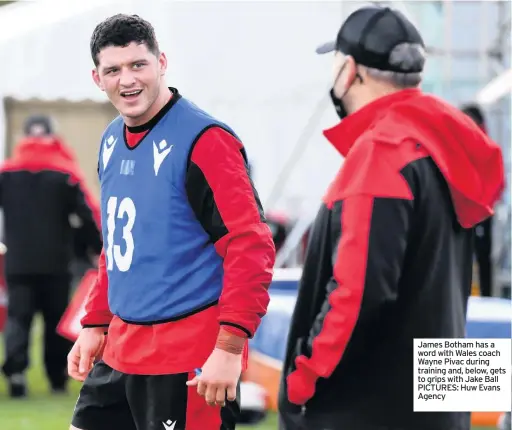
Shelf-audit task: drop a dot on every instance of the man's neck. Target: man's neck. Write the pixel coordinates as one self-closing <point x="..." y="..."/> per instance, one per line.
<point x="368" y="97"/>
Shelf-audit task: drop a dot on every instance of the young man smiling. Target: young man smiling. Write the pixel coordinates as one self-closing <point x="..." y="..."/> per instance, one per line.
<point x="187" y="255"/>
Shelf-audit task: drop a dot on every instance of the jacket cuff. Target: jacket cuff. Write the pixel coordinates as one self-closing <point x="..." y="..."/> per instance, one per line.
<point x="105" y="327"/>
<point x="235" y="329"/>
<point x="96" y="319"/>
<point x="301" y="384"/>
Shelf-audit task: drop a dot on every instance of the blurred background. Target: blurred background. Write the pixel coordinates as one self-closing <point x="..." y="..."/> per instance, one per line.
<point x="253" y="65"/>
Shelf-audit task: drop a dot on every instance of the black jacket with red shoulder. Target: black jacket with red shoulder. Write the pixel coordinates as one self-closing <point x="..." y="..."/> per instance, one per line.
<point x="389" y="260"/>
<point x="41" y="185"/>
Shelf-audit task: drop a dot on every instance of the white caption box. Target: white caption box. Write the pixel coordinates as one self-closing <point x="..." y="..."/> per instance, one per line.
<point x="462" y="375"/>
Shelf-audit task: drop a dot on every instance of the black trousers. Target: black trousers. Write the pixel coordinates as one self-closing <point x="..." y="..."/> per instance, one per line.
<point x="113" y="400"/>
<point x="28" y="294"/>
<point x="483" y="251"/>
<point x="326" y="422"/>
<point x="312" y="421"/>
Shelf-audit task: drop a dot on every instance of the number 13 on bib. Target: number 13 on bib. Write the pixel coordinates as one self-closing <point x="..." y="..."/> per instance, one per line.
<point x="120" y="214"/>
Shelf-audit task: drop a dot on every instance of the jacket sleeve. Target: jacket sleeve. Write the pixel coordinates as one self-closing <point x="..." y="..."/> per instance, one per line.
<point x="367" y="267"/>
<point x="83" y="204"/>
<point x="97" y="312"/>
<point x="225" y="202"/>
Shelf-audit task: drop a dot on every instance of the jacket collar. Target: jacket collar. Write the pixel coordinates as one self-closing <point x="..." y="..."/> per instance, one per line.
<point x="343" y="135"/>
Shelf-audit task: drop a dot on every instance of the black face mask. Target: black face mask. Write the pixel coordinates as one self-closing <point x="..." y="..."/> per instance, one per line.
<point x="338" y="105"/>
<point x="336" y="101"/>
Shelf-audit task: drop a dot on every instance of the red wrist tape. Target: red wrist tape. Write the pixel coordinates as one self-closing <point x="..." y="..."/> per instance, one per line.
<point x="229" y="342"/>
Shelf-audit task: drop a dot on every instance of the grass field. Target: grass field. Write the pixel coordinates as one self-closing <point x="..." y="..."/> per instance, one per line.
<point x="43" y="411"/>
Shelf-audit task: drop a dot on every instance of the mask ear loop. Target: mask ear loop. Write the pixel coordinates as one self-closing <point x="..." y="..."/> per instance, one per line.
<point x="337" y="101"/>
<point x="358" y="76"/>
<point x="339" y="74"/>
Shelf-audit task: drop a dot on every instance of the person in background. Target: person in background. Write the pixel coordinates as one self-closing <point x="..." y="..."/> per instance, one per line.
<point x="483" y="230"/>
<point x="389" y="257"/>
<point x="41" y="186"/>
<point x="86" y="250"/>
<point x="278" y="223"/>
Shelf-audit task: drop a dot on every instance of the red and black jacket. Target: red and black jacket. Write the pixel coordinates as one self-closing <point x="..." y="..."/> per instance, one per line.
<point x="389" y="260"/>
<point x="41" y="185"/>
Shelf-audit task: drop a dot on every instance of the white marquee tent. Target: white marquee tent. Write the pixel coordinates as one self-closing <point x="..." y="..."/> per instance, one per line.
<point x="252" y="64"/>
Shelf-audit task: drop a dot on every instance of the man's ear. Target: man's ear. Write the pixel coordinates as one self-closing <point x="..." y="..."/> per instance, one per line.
<point x="96" y="79"/>
<point x="162" y="63"/>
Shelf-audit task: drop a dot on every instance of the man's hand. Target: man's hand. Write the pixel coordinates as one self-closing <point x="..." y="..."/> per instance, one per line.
<point x="86" y="349"/>
<point x="220" y="374"/>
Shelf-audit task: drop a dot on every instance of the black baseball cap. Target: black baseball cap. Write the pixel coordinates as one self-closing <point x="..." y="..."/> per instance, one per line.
<point x="370" y="34"/>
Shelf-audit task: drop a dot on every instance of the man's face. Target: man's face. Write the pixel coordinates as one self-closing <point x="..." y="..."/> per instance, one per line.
<point x="131" y="76"/>
<point x="37" y="130"/>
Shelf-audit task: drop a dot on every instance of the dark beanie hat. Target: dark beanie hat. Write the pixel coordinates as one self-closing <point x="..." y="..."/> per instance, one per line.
<point x="41" y="120"/>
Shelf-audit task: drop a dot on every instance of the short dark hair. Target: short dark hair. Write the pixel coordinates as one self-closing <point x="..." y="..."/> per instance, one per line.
<point x="121" y="30"/>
